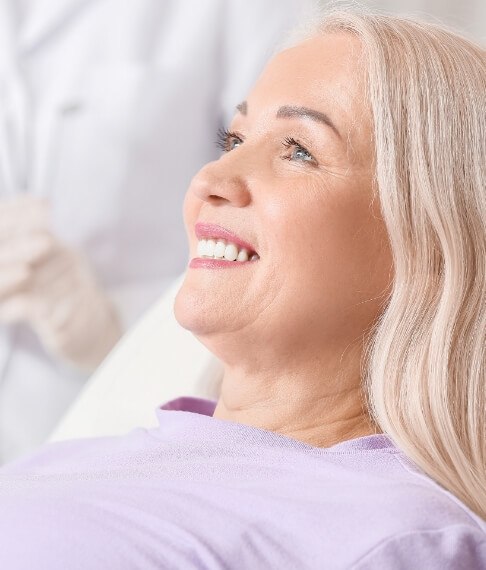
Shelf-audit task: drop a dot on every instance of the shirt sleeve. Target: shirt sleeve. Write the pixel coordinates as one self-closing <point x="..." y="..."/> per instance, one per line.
<point x="457" y="547"/>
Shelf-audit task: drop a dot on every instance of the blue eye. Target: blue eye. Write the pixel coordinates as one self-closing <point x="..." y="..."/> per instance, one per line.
<point x="299" y="152"/>
<point x="228" y="140"/>
<point x="234" y="142"/>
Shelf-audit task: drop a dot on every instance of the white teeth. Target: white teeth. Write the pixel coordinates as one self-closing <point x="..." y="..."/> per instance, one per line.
<point x="231" y="252"/>
<point x="210" y="245"/>
<point x="201" y="247"/>
<point x="243" y="255"/>
<point x="219" y="249"/>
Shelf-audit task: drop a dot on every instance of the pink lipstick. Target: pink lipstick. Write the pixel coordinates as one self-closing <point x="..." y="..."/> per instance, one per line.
<point x="214" y="231"/>
<point x="219" y="234"/>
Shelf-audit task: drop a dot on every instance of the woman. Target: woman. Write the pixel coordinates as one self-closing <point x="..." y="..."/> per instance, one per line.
<point x="337" y="269"/>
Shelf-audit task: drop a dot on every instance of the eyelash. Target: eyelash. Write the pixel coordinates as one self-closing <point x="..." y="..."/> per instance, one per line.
<point x="290" y="142"/>
<point x="225" y="136"/>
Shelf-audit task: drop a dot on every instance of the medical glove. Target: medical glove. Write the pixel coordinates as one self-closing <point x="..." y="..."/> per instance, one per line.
<point x="52" y="288"/>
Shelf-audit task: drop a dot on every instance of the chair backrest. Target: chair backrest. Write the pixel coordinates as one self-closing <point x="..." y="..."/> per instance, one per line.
<point x="156" y="361"/>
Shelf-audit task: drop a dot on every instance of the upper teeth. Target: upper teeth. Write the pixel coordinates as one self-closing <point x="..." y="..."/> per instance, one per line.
<point x="221" y="249"/>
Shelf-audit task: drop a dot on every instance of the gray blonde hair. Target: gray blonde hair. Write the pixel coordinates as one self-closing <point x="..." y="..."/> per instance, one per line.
<point x="425" y="374"/>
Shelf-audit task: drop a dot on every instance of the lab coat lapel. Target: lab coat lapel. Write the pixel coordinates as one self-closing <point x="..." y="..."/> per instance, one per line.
<point x="45" y="18"/>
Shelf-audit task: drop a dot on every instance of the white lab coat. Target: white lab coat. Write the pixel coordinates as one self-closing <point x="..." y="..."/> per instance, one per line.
<point x="123" y="101"/>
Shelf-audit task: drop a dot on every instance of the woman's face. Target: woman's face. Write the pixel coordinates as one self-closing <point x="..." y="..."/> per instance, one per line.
<point x="295" y="183"/>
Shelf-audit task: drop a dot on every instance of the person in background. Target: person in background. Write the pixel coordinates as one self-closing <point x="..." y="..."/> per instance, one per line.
<point x="107" y="109"/>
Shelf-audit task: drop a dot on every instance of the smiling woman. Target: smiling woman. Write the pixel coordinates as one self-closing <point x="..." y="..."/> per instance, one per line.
<point x="324" y="208"/>
<point x="338" y="271"/>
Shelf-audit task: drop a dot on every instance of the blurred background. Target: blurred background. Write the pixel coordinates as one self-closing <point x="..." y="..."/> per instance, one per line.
<point x="107" y="109"/>
<point x="466" y="15"/>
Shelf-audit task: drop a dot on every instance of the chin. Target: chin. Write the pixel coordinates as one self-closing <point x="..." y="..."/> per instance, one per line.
<point x="195" y="312"/>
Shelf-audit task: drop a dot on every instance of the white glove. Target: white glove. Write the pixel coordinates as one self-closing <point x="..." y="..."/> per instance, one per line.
<point x="52" y="288"/>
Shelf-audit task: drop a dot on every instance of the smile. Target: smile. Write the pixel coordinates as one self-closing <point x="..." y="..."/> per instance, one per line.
<point x="214" y="248"/>
<point x="219" y="247"/>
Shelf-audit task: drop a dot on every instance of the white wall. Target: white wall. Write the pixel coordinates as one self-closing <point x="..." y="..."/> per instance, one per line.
<point x="466" y="15"/>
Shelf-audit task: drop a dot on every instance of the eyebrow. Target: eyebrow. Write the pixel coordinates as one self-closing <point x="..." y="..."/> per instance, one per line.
<point x="291" y="111"/>
<point x="242" y="107"/>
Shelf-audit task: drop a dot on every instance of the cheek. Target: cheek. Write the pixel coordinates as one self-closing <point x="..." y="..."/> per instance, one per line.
<point x="332" y="249"/>
<point x="309" y="228"/>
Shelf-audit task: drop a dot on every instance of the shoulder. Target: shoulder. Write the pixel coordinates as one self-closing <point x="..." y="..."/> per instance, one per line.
<point x="454" y="547"/>
<point x="431" y="502"/>
<point x="423" y="525"/>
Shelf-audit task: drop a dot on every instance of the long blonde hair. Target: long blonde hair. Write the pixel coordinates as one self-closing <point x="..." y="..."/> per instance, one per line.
<point x="425" y="373"/>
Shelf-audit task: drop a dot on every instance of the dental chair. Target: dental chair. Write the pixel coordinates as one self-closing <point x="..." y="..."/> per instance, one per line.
<point x="156" y="361"/>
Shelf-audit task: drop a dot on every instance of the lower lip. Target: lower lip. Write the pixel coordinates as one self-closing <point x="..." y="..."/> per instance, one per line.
<point x="208" y="263"/>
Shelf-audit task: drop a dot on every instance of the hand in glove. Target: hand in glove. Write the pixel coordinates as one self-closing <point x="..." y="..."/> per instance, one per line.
<point x="52" y="287"/>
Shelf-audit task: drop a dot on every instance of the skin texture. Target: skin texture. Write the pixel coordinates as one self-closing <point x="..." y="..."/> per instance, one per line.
<point x="290" y="327"/>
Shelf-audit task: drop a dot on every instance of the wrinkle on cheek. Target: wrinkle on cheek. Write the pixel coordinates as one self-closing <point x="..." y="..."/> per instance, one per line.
<point x="274" y="290"/>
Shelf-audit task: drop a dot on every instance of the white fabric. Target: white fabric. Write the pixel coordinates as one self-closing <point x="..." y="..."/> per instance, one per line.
<point x="108" y="108"/>
<point x="155" y="362"/>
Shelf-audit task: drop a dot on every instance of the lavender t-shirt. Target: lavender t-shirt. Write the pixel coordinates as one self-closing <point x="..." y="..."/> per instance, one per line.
<point x="199" y="492"/>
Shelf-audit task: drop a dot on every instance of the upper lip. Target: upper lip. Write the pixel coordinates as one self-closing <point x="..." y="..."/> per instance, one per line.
<point x="204" y="230"/>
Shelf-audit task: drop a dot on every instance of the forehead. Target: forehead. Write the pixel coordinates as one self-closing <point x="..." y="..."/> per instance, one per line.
<point x="325" y="73"/>
<point x="326" y="67"/>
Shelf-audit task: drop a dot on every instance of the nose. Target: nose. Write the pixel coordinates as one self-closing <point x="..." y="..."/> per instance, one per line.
<point x="219" y="184"/>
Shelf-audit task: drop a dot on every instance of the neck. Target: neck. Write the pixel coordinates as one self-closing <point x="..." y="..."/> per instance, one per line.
<point x="312" y="407"/>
